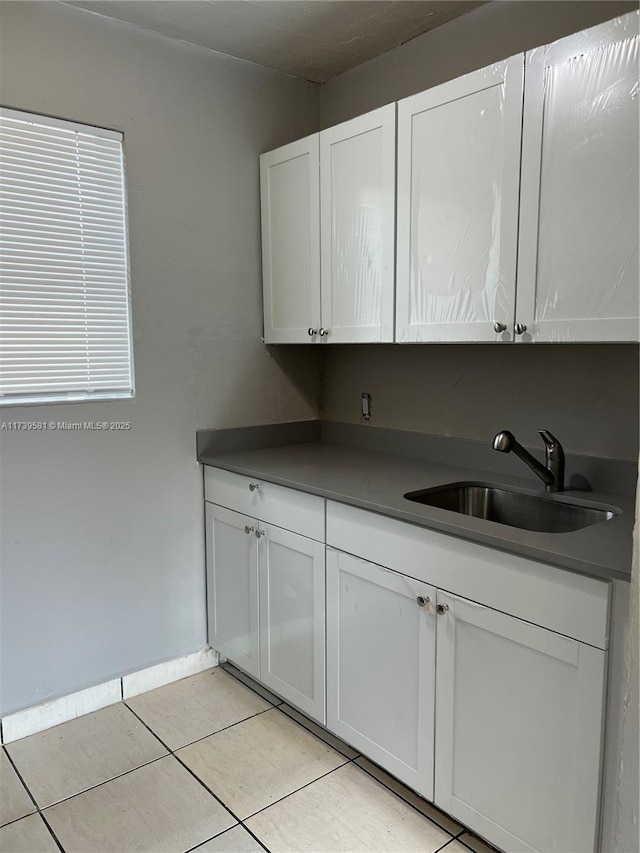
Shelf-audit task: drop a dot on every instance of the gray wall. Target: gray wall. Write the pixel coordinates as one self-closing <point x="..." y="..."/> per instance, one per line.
<point x="486" y="35"/>
<point x="585" y="394"/>
<point x="102" y="548"/>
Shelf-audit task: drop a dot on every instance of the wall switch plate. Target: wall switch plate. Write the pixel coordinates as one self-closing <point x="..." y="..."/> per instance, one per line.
<point x="366" y="406"/>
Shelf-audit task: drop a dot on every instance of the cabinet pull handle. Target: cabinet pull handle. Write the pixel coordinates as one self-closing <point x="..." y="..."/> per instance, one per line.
<point x="324" y="332"/>
<point x="442" y="608"/>
<point x="312" y="332"/>
<point x="423" y="600"/>
<point x="260" y="533"/>
<point x="248" y="529"/>
<point x="520" y="328"/>
<point x="253" y="487"/>
<point x="499" y="327"/>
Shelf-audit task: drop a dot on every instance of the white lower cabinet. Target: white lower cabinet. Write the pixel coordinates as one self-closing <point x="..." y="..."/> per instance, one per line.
<point x="232" y="586"/>
<point x="292" y="618"/>
<point x="493" y="710"/>
<point x="518" y="729"/>
<point x="266" y="605"/>
<point x="381" y="666"/>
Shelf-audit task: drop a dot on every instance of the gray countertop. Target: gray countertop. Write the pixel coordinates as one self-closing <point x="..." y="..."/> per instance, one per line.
<point x="378" y="481"/>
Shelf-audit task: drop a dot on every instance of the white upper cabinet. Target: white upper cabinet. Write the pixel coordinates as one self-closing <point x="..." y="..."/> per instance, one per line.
<point x="578" y="258"/>
<point x="357" y="204"/>
<point x="290" y="200"/>
<point x="458" y="187"/>
<point x="348" y="173"/>
<point x="516" y="216"/>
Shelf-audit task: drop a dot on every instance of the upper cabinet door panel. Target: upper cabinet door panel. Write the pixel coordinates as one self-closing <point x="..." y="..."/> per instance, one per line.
<point x="357" y="168"/>
<point x="290" y="200"/>
<point x="578" y="267"/>
<point x="458" y="186"/>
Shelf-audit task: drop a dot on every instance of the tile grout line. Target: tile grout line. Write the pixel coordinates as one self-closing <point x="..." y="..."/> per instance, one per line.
<point x="100" y="784"/>
<point x="404" y="800"/>
<point x="33" y="800"/>
<point x="50" y="828"/>
<point x="206" y="787"/>
<point x="444" y="846"/>
<point x="204" y="737"/>
<point x="249" y="687"/>
<point x="224" y="832"/>
<point x="453" y="836"/>
<point x="278" y="707"/>
<point x="241" y="821"/>
<point x="319" y="737"/>
<point x="301" y="788"/>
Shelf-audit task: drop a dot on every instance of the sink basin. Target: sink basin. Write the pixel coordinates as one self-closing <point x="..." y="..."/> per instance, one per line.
<point x="515" y="509"/>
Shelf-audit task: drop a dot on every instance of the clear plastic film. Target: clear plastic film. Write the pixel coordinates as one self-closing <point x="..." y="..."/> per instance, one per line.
<point x="463" y="197"/>
<point x="357" y="222"/>
<point x="357" y="168"/>
<point x="456" y="211"/>
<point x="587" y="270"/>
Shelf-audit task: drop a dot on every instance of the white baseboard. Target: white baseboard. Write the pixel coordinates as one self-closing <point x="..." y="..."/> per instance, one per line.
<point x="45" y="716"/>
<point x="32" y="720"/>
<point x="165" y="673"/>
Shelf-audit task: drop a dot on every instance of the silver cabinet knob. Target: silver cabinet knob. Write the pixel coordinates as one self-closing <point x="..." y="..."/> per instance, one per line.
<point x="442" y="608"/>
<point x="312" y="332"/>
<point x="499" y="327"/>
<point x="253" y="487"/>
<point x="324" y="332"/>
<point x="423" y="600"/>
<point x="259" y="533"/>
<point x="248" y="529"/>
<point x="520" y="328"/>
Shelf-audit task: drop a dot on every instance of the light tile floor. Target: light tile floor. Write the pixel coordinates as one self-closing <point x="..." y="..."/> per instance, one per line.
<point x="215" y="764"/>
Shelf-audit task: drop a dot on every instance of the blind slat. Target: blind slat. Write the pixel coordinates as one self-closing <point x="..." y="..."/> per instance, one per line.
<point x="64" y="278"/>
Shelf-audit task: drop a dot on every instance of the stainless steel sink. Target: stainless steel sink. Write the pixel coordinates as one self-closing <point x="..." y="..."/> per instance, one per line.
<point x="515" y="509"/>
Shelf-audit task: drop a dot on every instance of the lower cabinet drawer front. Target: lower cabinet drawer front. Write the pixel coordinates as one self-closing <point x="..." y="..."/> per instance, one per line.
<point x="283" y="507"/>
<point x="562" y="601"/>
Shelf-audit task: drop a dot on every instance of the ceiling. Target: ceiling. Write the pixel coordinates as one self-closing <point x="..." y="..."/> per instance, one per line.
<point x="312" y="39"/>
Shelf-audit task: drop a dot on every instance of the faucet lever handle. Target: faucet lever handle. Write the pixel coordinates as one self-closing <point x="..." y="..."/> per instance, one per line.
<point x="551" y="444"/>
<point x="550" y="440"/>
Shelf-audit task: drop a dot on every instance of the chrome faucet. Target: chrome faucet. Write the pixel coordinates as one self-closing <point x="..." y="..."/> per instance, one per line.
<point x="552" y="473"/>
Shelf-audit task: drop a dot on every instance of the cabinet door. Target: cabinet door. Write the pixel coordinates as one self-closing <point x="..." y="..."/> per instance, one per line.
<point x="578" y="260"/>
<point x="458" y="186"/>
<point x="519" y="714"/>
<point x="380" y="666"/>
<point x="357" y="168"/>
<point x="290" y="202"/>
<point x="232" y="586"/>
<point x="292" y="656"/>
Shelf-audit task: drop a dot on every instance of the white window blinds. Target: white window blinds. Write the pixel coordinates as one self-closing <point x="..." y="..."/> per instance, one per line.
<point x="65" y="320"/>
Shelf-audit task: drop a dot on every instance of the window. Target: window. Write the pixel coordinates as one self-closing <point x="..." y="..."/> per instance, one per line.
<point x="65" y="316"/>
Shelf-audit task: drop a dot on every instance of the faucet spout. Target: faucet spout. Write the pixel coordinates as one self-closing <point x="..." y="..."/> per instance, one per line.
<point x="551" y="474"/>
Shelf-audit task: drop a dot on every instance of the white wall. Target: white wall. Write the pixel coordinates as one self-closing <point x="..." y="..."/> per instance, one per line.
<point x="102" y="547"/>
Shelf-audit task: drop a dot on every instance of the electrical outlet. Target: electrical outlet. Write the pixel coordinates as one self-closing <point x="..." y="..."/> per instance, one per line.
<point x="365" y="406"/>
